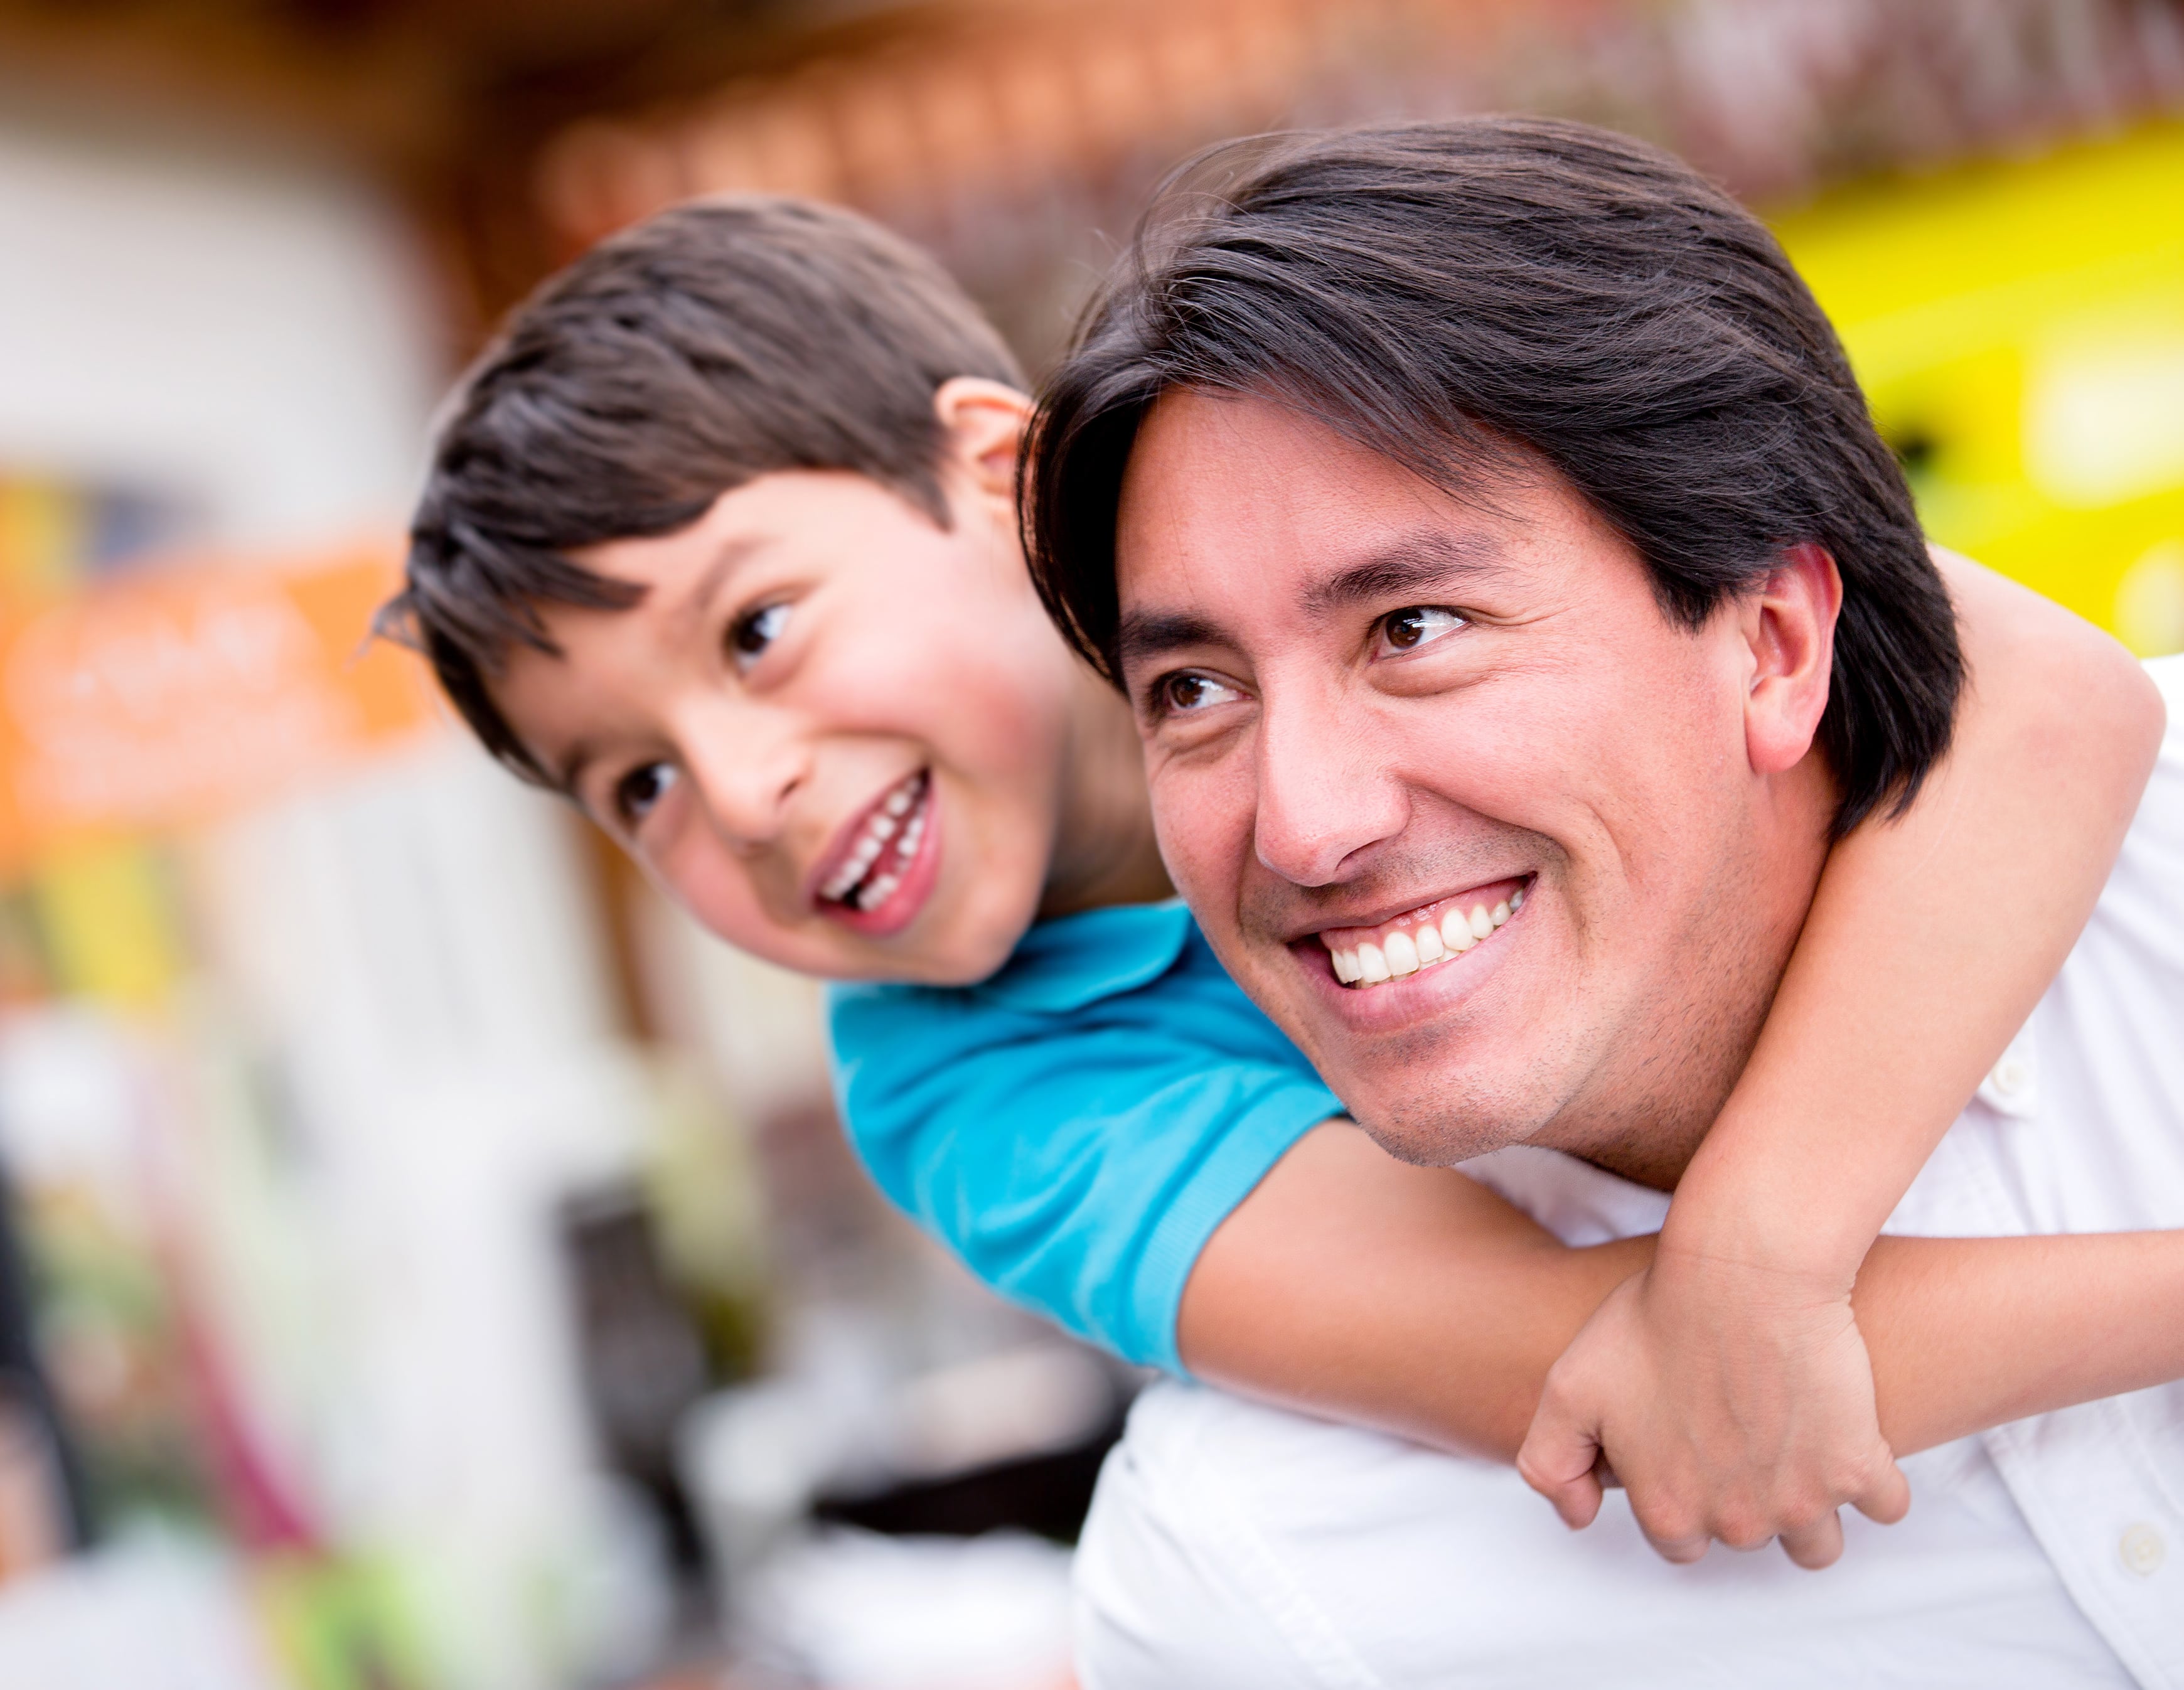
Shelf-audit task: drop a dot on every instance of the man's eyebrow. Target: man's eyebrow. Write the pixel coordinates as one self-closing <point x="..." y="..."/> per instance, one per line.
<point x="1416" y="565"/>
<point x="1143" y="635"/>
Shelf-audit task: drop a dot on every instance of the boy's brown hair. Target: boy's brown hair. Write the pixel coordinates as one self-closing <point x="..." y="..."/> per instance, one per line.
<point x="710" y="345"/>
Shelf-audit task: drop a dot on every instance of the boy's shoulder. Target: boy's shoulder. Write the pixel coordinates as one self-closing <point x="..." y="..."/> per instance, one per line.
<point x="1142" y="968"/>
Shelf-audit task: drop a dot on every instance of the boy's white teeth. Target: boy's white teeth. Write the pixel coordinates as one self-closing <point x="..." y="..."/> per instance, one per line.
<point x="896" y="826"/>
<point x="1401" y="950"/>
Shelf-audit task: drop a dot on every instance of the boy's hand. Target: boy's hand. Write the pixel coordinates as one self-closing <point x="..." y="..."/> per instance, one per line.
<point x="1731" y="1402"/>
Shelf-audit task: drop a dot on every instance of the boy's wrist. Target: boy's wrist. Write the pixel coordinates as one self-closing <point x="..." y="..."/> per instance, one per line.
<point x="1774" y="1245"/>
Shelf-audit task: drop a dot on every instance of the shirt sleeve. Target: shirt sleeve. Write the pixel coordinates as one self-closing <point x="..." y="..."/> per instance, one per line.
<point x="1076" y="1161"/>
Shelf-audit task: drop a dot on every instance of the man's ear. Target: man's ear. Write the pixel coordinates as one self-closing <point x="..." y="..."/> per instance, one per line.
<point x="985" y="421"/>
<point x="1789" y="627"/>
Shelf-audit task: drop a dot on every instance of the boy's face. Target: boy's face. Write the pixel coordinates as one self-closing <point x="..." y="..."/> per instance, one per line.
<point x="833" y="731"/>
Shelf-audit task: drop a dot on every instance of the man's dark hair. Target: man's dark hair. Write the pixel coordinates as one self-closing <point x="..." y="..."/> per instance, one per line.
<point x="711" y="344"/>
<point x="1462" y="297"/>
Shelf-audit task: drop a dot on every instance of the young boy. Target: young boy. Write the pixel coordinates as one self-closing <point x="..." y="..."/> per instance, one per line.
<point x="720" y="542"/>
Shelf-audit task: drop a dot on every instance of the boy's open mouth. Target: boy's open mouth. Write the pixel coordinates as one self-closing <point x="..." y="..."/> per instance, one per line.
<point x="880" y="851"/>
<point x="1423" y="938"/>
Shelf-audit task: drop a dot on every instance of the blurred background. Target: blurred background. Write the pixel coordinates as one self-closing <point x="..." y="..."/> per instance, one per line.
<point x="428" y="1263"/>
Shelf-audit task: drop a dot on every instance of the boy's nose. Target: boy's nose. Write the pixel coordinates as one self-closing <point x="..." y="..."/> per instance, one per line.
<point x="744" y="771"/>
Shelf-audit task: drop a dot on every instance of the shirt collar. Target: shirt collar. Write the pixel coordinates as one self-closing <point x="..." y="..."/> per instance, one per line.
<point x="1062" y="965"/>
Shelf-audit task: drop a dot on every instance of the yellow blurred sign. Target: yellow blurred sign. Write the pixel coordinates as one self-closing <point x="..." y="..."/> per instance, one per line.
<point x="172" y="695"/>
<point x="2019" y="328"/>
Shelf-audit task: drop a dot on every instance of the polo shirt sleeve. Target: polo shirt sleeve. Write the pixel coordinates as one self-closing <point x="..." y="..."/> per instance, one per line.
<point x="1075" y="1128"/>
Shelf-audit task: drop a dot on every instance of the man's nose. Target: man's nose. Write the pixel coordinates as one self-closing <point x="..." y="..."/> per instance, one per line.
<point x="1323" y="796"/>
<point x="745" y="762"/>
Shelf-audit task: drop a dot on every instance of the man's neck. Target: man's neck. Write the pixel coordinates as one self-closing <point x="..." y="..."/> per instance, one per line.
<point x="1645" y="1122"/>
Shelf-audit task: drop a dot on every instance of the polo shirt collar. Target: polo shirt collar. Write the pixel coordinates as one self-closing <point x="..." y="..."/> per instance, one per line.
<point x="1065" y="964"/>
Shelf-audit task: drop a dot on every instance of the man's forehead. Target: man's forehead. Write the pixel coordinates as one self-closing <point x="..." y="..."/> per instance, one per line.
<point x="1263" y="499"/>
<point x="1236" y="508"/>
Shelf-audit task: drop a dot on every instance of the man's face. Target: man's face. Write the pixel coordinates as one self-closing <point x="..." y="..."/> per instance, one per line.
<point x="1455" y="802"/>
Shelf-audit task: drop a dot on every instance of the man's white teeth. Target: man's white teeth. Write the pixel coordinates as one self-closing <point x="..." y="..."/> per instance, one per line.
<point x="888" y="825"/>
<point x="1403" y="951"/>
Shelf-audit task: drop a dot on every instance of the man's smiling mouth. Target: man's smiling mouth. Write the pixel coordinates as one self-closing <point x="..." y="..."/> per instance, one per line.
<point x="882" y="851"/>
<point x="1423" y="938"/>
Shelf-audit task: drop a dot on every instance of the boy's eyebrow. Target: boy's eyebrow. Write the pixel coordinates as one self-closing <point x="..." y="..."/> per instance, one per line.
<point x="568" y="768"/>
<point x="734" y="551"/>
<point x="1424" y="561"/>
<point x="687" y="609"/>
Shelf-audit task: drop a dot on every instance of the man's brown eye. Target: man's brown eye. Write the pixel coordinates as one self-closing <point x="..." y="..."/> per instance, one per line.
<point x="1185" y="692"/>
<point x="1405" y="630"/>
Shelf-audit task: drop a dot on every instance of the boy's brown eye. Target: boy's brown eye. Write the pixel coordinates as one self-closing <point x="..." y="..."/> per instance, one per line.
<point x="750" y="635"/>
<point x="637" y="792"/>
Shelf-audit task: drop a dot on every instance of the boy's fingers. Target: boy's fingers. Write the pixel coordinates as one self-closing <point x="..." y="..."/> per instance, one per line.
<point x="1818" y="1545"/>
<point x="1680" y="1551"/>
<point x="1562" y="1460"/>
<point x="1888" y="1498"/>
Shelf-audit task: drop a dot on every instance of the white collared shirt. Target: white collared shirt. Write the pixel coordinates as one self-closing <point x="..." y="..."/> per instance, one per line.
<point x="1236" y="1545"/>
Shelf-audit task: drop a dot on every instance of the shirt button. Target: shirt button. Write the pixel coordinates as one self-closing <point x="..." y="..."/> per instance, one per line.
<point x="2142" y="1550"/>
<point x="2009" y="1076"/>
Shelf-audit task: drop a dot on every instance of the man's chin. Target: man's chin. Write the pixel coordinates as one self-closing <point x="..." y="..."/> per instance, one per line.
<point x="1432" y="1138"/>
<point x="1438" y="1068"/>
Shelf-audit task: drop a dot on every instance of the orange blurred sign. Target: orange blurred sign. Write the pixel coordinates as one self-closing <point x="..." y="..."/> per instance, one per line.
<point x="171" y="696"/>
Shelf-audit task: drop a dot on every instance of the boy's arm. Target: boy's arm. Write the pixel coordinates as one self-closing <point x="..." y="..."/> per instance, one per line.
<point x="1076" y="1159"/>
<point x="1413" y="1299"/>
<point x="1725" y="1383"/>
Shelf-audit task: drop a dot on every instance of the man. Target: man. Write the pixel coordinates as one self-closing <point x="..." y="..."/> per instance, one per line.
<point x="1485" y="511"/>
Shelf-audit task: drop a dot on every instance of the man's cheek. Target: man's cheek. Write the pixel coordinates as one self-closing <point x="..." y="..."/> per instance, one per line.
<point x="1196" y="826"/>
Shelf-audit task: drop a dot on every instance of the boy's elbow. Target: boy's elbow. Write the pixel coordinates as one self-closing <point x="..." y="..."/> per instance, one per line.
<point x="2130" y="712"/>
<point x="2104" y="714"/>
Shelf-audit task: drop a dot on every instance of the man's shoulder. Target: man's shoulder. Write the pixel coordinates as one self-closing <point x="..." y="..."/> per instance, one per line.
<point x="2080" y="1126"/>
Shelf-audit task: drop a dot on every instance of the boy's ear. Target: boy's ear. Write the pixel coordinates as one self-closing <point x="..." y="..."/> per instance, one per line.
<point x="1789" y="627"/>
<point x="985" y="422"/>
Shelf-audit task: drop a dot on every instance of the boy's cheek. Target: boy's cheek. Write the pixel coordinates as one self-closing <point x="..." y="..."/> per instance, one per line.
<point x="715" y="891"/>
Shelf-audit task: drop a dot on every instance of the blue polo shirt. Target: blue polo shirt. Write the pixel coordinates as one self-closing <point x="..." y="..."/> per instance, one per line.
<point x="1076" y="1126"/>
